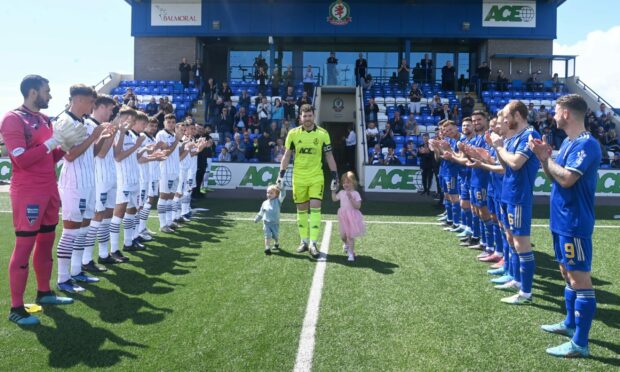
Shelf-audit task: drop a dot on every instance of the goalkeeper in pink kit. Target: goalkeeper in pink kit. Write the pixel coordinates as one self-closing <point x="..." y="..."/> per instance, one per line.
<point x="33" y="147"/>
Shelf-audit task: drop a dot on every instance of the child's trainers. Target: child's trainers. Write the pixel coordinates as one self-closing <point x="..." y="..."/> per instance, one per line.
<point x="267" y="251"/>
<point x="276" y="246"/>
<point x="351" y="257"/>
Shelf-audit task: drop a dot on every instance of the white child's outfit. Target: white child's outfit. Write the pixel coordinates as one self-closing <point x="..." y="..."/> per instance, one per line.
<point x="270" y="215"/>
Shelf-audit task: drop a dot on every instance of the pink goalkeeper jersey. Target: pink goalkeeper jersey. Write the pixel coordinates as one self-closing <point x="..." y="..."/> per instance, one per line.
<point x="24" y="134"/>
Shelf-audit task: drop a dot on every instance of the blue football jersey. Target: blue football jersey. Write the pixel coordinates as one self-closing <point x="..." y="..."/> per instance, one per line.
<point x="465" y="172"/>
<point x="518" y="186"/>
<point x="495" y="179"/>
<point x="452" y="168"/>
<point x="479" y="177"/>
<point x="572" y="209"/>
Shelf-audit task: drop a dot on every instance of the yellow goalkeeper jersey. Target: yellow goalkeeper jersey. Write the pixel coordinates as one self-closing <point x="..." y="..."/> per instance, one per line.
<point x="308" y="147"/>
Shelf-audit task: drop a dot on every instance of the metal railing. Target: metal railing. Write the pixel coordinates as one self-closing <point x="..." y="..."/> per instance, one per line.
<point x="360" y="94"/>
<point x="249" y="73"/>
<point x="102" y="82"/>
<point x="598" y="97"/>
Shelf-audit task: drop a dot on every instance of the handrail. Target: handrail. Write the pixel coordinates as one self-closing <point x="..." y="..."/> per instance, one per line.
<point x="360" y="93"/>
<point x="599" y="98"/>
<point x="245" y="72"/>
<point x="102" y="82"/>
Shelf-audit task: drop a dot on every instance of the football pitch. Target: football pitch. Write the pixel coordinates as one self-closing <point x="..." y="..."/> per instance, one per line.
<point x="207" y="298"/>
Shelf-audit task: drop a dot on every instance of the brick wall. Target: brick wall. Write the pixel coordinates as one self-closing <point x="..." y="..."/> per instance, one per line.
<point x="158" y="58"/>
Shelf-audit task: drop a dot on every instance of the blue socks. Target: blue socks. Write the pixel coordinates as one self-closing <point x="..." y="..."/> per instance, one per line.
<point x="448" y="206"/>
<point x="467" y="217"/>
<point x="569" y="297"/>
<point x="514" y="265"/>
<point x="528" y="265"/>
<point x="500" y="239"/>
<point x="456" y="213"/>
<point x="475" y="222"/>
<point x="506" y="254"/>
<point x="489" y="229"/>
<point x="585" y="307"/>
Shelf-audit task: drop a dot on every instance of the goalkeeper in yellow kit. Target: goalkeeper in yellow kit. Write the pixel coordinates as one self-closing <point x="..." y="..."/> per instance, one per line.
<point x="309" y="143"/>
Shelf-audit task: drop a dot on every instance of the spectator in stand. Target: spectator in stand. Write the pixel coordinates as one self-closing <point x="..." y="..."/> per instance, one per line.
<point x="418" y="73"/>
<point x="501" y="81"/>
<point x="151" y="108"/>
<point x="462" y="83"/>
<point x="435" y="104"/>
<point x="397" y="124"/>
<point x="241" y="119"/>
<point x="444" y="113"/>
<point x="265" y="144"/>
<point x="376" y="156"/>
<point x="428" y="73"/>
<point x="254" y="124"/>
<point x="308" y="80"/>
<point x="415" y="96"/>
<point x="427" y="159"/>
<point x="387" y="137"/>
<point x="361" y="69"/>
<point x="129" y="95"/>
<point x="304" y="99"/>
<point x="228" y="143"/>
<point x="455" y="113"/>
<point x="448" y="76"/>
<point x="542" y="117"/>
<point x="225" y="92"/>
<point x="259" y="99"/>
<point x="557" y="84"/>
<point x="198" y="74"/>
<point x="367" y="82"/>
<point x="410" y="154"/>
<point x="224" y="155"/>
<point x="411" y="127"/>
<point x="232" y="110"/>
<point x="350" y="142"/>
<point x="277" y="112"/>
<point x="467" y="105"/>
<point x="391" y="158"/>
<point x="244" y="100"/>
<point x="248" y="145"/>
<point x="225" y="125"/>
<point x="532" y="115"/>
<point x="403" y="74"/>
<point x="264" y="113"/>
<point x="276" y="80"/>
<point x="210" y="91"/>
<point x="278" y="151"/>
<point x="332" y="71"/>
<point x="484" y="73"/>
<point x="372" y="134"/>
<point x="261" y="80"/>
<point x="371" y="110"/>
<point x="274" y="132"/>
<point x="602" y="111"/>
<point x="289" y="76"/>
<point x="532" y="84"/>
<point x="393" y="79"/>
<point x="132" y="104"/>
<point x="289" y="104"/>
<point x="237" y="151"/>
<point x="185" y="69"/>
<point x="284" y="129"/>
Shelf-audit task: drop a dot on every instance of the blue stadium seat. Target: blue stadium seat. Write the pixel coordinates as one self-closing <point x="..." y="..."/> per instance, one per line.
<point x="517" y="85"/>
<point x="399" y="140"/>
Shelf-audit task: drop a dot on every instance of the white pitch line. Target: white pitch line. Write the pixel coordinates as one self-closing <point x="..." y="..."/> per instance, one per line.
<point x="153" y="215"/>
<point x="305" y="352"/>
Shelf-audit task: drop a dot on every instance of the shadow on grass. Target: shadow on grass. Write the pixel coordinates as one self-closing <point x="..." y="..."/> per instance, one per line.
<point x="116" y="307"/>
<point x="361" y="262"/>
<point x="614" y="348"/>
<point x="75" y="342"/>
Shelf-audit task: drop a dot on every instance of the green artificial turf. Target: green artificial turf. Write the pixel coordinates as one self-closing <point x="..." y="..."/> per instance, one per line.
<point x="207" y="298"/>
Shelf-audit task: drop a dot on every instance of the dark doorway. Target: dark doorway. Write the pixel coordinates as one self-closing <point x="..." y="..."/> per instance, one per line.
<point x="338" y="133"/>
<point x="216" y="61"/>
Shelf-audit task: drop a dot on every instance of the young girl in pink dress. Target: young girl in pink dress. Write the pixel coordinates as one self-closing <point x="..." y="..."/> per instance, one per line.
<point x="350" y="219"/>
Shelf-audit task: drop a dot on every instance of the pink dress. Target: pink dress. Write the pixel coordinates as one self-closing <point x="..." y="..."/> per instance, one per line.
<point x="350" y="219"/>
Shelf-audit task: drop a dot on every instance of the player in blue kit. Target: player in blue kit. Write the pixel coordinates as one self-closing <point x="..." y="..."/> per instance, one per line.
<point x="574" y="174"/>
<point x="446" y="146"/>
<point x="517" y="193"/>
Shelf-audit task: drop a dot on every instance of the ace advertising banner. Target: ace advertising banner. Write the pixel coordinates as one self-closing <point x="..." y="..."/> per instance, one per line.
<point x="497" y="13"/>
<point x="176" y="13"/>
<point x="409" y="179"/>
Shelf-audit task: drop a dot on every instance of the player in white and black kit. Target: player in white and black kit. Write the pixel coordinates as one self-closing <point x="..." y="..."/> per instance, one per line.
<point x="184" y="167"/>
<point x="128" y="141"/>
<point x="154" y="173"/>
<point x="77" y="192"/>
<point x="148" y="154"/>
<point x="169" y="138"/>
<point x="105" y="186"/>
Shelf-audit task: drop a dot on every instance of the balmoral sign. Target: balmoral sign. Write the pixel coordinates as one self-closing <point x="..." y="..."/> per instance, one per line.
<point x="176" y="13"/>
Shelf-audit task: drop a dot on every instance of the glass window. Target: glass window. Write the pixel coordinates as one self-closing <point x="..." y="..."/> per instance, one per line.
<point x="463" y="67"/>
<point x="242" y="61"/>
<point x="442" y="58"/>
